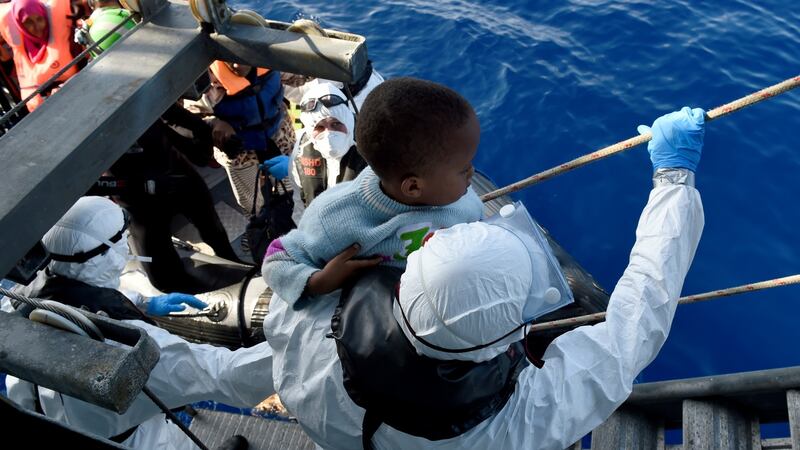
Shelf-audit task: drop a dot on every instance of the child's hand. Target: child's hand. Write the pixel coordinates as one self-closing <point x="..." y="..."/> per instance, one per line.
<point x="338" y="270"/>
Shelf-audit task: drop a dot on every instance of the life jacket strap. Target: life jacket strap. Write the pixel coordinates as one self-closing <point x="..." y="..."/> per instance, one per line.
<point x="369" y="426"/>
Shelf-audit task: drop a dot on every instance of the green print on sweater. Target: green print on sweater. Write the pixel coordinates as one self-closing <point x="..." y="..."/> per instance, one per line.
<point x="413" y="237"/>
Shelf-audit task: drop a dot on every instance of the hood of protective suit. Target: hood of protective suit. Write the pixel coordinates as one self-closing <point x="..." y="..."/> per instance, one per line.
<point x="340" y="112"/>
<point x="91" y="222"/>
<point x="466" y="287"/>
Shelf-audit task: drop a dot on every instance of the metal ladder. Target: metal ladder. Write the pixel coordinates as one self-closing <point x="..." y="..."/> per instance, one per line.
<point x="718" y="412"/>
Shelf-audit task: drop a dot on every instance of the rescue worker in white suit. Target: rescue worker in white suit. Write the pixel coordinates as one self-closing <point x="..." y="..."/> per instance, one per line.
<point x="325" y="151"/>
<point x="185" y="373"/>
<point x="468" y="286"/>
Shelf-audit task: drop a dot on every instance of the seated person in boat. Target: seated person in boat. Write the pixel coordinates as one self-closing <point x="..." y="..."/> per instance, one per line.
<point x="40" y="36"/>
<point x="107" y="15"/>
<point x="325" y="153"/>
<point x="155" y="181"/>
<point x="419" y="139"/>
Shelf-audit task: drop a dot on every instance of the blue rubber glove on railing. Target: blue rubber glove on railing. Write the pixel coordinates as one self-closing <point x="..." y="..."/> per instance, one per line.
<point x="677" y="139"/>
<point x="278" y="166"/>
<point x="162" y="305"/>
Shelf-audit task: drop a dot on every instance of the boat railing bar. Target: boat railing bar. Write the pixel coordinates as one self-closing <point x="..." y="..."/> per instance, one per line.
<point x="599" y="317"/>
<point x="720" y="411"/>
<point x="754" y="382"/>
<point x="109" y="376"/>
<point x="630" y="143"/>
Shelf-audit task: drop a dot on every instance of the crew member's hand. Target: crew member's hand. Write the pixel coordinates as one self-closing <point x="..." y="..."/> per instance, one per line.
<point x="338" y="271"/>
<point x="677" y="139"/>
<point x="278" y="166"/>
<point x="162" y="305"/>
<point x="221" y="131"/>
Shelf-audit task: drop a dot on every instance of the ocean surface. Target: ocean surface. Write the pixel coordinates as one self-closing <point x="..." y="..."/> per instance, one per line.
<point x="551" y="81"/>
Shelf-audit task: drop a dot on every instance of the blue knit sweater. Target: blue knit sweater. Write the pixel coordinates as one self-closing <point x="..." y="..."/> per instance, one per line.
<point x="357" y="212"/>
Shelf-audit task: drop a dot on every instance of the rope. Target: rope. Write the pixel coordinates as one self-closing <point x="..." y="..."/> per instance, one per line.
<point x="7" y="116"/>
<point x="42" y="304"/>
<point x="627" y="144"/>
<point x="173" y="417"/>
<point x="599" y="317"/>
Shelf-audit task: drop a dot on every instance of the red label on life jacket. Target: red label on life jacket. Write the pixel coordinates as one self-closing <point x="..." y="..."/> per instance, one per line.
<point x="310" y="162"/>
<point x="310" y="165"/>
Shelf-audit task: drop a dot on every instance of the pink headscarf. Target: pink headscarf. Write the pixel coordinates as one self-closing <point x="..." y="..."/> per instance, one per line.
<point x="34" y="46"/>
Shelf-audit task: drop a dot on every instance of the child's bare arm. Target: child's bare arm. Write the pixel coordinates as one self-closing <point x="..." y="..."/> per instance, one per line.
<point x="338" y="270"/>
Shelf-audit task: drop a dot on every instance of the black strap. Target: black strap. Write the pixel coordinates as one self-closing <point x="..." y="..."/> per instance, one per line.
<point x="37" y="402"/>
<point x="369" y="427"/>
<point x="122" y="437"/>
<point x="244" y="334"/>
<point x="396" y="298"/>
<point x="82" y="257"/>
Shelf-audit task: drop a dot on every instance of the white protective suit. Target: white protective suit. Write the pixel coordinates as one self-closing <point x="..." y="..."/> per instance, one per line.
<point x="310" y="119"/>
<point x="588" y="371"/>
<point x="185" y="372"/>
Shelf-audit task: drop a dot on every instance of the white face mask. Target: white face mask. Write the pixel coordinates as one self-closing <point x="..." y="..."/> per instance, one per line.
<point x="332" y="144"/>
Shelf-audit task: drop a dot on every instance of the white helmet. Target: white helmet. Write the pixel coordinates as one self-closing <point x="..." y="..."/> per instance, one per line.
<point x="470" y="291"/>
<point x="465" y="288"/>
<point x="90" y="242"/>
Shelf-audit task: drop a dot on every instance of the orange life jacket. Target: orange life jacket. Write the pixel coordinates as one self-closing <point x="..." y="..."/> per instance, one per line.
<point x="232" y="83"/>
<point x="57" y="54"/>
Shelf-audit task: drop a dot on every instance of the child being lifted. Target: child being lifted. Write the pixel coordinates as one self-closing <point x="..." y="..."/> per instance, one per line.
<point x="419" y="139"/>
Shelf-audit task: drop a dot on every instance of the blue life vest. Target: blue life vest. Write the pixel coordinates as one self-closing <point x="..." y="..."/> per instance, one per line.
<point x="255" y="112"/>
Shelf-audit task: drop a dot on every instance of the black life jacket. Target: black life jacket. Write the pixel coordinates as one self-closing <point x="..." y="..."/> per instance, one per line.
<point x="313" y="169"/>
<point x="79" y="294"/>
<point x="417" y="395"/>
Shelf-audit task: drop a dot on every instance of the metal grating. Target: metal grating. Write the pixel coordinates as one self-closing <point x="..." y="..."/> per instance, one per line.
<point x="215" y="427"/>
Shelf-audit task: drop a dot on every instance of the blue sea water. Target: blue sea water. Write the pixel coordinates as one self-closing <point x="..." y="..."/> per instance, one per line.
<point x="551" y="81"/>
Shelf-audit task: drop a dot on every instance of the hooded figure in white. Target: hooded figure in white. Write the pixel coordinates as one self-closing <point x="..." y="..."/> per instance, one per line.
<point x="90" y="223"/>
<point x="332" y="144"/>
<point x="185" y="372"/>
<point x="468" y="286"/>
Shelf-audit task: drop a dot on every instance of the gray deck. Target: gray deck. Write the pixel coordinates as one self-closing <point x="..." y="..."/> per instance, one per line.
<point x="214" y="427"/>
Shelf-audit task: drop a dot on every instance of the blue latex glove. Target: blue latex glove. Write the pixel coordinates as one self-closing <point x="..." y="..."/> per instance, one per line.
<point x="677" y="139"/>
<point x="162" y="305"/>
<point x="278" y="166"/>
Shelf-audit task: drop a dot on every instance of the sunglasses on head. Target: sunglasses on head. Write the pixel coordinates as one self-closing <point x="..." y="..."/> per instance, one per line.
<point x="329" y="100"/>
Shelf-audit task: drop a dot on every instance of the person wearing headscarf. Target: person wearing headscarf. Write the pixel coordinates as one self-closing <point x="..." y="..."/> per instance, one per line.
<point x="325" y="153"/>
<point x="40" y="36"/>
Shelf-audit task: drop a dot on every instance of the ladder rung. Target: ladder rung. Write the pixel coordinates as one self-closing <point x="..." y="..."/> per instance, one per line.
<point x="793" y="406"/>
<point x="711" y="425"/>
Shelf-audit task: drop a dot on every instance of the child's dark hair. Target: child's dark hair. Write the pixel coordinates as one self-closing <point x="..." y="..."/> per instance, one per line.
<point x="403" y="124"/>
